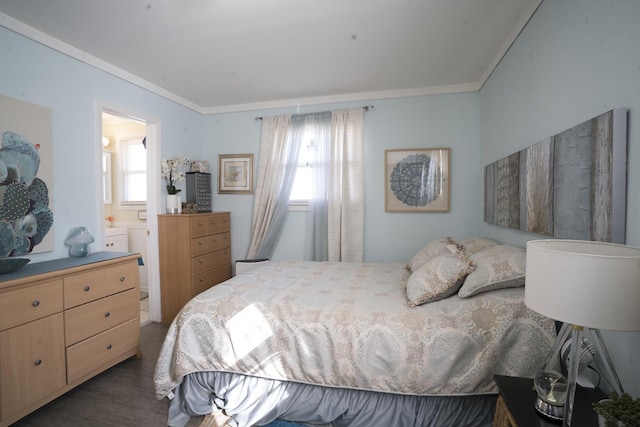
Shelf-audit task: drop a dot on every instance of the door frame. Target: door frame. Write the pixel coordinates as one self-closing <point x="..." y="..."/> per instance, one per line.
<point x="153" y="195"/>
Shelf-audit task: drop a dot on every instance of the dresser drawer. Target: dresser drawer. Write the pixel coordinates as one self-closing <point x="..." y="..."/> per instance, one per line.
<point x="198" y="226"/>
<point x="31" y="363"/>
<point x="199" y="246"/>
<point x="95" y="284"/>
<point x="218" y="224"/>
<point x="209" y="261"/>
<point x="212" y="277"/>
<point x="100" y="351"/>
<point x="27" y="304"/>
<point x="89" y="319"/>
<point x="222" y="257"/>
<point x="219" y="241"/>
<point x="203" y="263"/>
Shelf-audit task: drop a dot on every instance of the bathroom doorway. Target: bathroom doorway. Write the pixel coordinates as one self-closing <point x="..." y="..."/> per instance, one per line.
<point x="128" y="205"/>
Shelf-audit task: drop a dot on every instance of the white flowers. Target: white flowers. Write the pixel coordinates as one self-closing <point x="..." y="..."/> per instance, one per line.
<point x="170" y="170"/>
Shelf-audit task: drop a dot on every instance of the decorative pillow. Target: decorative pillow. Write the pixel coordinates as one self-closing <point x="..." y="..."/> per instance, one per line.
<point x="476" y="244"/>
<point x="438" y="278"/>
<point x="499" y="266"/>
<point x="436" y="248"/>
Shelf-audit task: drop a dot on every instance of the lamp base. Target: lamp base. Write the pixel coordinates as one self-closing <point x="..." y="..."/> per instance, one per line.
<point x="576" y="332"/>
<point x="553" y="412"/>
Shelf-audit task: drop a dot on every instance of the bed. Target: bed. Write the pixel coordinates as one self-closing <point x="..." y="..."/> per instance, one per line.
<point x="357" y="344"/>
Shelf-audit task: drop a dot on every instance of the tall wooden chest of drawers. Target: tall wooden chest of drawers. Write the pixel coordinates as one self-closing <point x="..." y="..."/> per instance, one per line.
<point x="195" y="254"/>
<point x="63" y="322"/>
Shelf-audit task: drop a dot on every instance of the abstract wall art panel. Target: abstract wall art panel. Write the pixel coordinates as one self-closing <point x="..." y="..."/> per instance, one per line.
<point x="26" y="176"/>
<point x="571" y="185"/>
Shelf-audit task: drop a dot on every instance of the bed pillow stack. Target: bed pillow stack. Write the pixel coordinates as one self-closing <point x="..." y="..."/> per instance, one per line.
<point x="467" y="267"/>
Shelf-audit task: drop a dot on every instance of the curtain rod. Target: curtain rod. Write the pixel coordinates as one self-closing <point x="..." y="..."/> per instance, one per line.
<point x="365" y="108"/>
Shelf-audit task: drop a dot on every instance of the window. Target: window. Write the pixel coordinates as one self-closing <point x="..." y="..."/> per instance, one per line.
<point x="134" y="171"/>
<point x="301" y="190"/>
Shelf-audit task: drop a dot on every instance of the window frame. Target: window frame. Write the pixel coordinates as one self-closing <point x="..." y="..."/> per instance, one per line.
<point x="302" y="205"/>
<point x="123" y="150"/>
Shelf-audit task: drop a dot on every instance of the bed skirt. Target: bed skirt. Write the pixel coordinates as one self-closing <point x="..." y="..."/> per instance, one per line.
<point x="251" y="401"/>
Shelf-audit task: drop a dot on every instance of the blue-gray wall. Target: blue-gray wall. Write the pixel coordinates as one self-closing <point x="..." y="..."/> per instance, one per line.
<point x="73" y="91"/>
<point x="431" y="121"/>
<point x="573" y="61"/>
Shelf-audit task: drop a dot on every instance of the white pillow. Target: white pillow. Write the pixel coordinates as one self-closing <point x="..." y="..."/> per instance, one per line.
<point x="497" y="267"/>
<point x="474" y="245"/>
<point x="431" y="250"/>
<point x="438" y="278"/>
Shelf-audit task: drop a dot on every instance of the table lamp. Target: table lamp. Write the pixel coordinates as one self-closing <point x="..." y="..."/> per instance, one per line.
<point x="78" y="239"/>
<point x="584" y="284"/>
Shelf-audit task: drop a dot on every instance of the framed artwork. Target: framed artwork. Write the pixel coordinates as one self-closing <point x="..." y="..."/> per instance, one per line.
<point x="26" y="214"/>
<point x="235" y="174"/>
<point x="417" y="180"/>
<point x="572" y="185"/>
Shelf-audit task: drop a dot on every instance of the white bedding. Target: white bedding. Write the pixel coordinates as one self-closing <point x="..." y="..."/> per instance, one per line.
<point x="348" y="325"/>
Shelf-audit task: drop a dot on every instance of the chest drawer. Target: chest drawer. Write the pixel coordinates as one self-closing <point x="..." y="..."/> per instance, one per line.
<point x="89" y="319"/>
<point x="218" y="224"/>
<point x="210" y="260"/>
<point x="95" y="284"/>
<point x="202" y="263"/>
<point x="102" y="349"/>
<point x="219" y="241"/>
<point x="199" y="246"/>
<point x="31" y="363"/>
<point x="27" y="304"/>
<point x="222" y="257"/>
<point x="198" y="226"/>
<point x="206" y="280"/>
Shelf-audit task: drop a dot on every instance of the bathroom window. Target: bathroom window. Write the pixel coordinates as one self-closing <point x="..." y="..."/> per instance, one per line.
<point x="133" y="172"/>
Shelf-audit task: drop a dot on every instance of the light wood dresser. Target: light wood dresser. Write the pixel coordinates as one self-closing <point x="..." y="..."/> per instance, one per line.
<point x="195" y="254"/>
<point x="63" y="322"/>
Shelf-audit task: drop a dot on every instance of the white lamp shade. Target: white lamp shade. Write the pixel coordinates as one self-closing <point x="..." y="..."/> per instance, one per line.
<point x="585" y="283"/>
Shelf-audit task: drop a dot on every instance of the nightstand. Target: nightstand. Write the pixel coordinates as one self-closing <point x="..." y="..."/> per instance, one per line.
<point x="515" y="405"/>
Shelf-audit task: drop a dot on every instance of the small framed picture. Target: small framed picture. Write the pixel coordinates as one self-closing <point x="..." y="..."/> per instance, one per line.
<point x="235" y="174"/>
<point x="417" y="180"/>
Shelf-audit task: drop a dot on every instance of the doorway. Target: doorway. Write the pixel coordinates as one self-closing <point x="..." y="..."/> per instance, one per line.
<point x="128" y="197"/>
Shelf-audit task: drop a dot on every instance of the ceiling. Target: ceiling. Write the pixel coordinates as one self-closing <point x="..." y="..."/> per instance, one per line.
<point x="232" y="55"/>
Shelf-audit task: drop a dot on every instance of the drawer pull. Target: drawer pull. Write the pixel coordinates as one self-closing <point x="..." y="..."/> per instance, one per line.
<point x="122" y="278"/>
<point x="200" y="242"/>
<point x="202" y="279"/>
<point x="200" y="261"/>
<point x="107" y="314"/>
<point x="109" y="346"/>
<point x="199" y="223"/>
<point x="37" y="362"/>
<point x="35" y="303"/>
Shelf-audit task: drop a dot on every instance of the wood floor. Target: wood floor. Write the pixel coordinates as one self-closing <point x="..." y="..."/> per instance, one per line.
<point x="123" y="396"/>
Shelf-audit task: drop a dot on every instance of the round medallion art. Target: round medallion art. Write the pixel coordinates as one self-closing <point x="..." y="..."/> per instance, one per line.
<point x="416" y="180"/>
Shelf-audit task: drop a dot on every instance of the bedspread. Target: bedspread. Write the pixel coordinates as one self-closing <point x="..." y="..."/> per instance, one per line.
<point x="348" y="325"/>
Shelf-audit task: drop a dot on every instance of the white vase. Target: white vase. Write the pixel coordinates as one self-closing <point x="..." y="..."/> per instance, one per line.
<point x="173" y="204"/>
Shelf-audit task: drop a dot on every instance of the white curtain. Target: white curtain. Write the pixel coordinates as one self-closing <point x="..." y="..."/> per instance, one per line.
<point x="335" y="219"/>
<point x="276" y="170"/>
<point x="346" y="186"/>
<point x="319" y="158"/>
